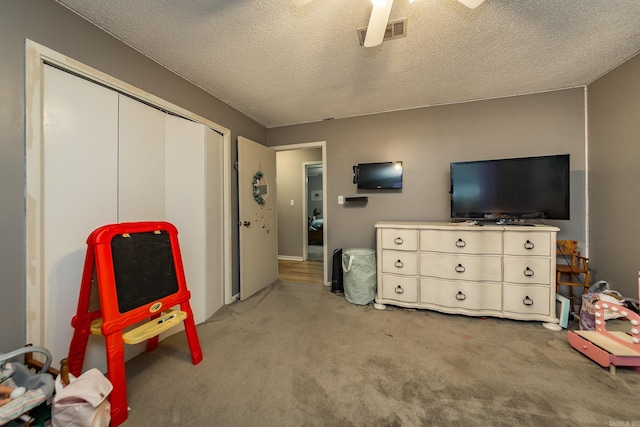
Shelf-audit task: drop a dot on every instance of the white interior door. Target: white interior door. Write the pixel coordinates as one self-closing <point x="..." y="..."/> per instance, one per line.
<point x="258" y="217"/>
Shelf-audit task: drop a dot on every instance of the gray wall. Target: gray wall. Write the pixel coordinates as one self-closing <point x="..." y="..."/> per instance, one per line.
<point x="427" y="140"/>
<point x="54" y="26"/>
<point x="614" y="172"/>
<point x="290" y="187"/>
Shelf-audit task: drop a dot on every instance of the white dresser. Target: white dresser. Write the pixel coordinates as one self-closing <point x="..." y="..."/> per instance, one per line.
<point x="490" y="270"/>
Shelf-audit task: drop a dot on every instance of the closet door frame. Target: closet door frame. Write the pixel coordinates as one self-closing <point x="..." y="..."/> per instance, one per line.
<point x="36" y="56"/>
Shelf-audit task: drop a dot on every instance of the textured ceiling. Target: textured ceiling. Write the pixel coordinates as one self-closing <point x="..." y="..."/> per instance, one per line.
<point x="283" y="65"/>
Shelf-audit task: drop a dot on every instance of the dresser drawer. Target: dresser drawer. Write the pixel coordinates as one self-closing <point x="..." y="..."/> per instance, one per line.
<point x="578" y="340"/>
<point x="463" y="241"/>
<point x="472" y="296"/>
<point x="527" y="270"/>
<point x="399" y="288"/>
<point x="526" y="299"/>
<point x="400" y="262"/>
<point x="399" y="239"/>
<point x="527" y="243"/>
<point x="462" y="267"/>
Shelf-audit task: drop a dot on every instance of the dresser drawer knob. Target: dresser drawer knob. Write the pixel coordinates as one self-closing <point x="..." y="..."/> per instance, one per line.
<point x="527" y="300"/>
<point x="460" y="268"/>
<point x="461" y="243"/>
<point x="528" y="272"/>
<point x="529" y="245"/>
<point x="399" y="290"/>
<point x="460" y="296"/>
<point x="399" y="264"/>
<point x="398" y="241"/>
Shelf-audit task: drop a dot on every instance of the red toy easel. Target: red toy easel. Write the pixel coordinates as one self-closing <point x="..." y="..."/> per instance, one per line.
<point x="132" y="273"/>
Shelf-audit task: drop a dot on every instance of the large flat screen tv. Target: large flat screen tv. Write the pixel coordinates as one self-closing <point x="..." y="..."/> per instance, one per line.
<point x="520" y="188"/>
<point x="379" y="176"/>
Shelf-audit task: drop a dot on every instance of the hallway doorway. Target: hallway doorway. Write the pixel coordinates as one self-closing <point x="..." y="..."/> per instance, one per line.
<point x="302" y="219"/>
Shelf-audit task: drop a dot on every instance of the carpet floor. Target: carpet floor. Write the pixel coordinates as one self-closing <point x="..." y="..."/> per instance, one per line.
<point x="298" y="355"/>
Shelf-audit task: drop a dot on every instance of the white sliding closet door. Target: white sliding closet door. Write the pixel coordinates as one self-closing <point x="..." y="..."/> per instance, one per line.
<point x="141" y="162"/>
<point x="80" y="164"/>
<point x="140" y="184"/>
<point x="215" y="227"/>
<point x="185" y="180"/>
<point x="107" y="158"/>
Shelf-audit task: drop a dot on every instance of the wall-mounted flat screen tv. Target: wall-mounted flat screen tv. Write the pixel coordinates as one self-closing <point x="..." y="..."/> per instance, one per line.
<point x="386" y="175"/>
<point x="522" y="188"/>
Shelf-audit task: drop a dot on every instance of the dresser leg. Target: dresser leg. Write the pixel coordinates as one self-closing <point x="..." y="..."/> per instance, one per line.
<point x="379" y="306"/>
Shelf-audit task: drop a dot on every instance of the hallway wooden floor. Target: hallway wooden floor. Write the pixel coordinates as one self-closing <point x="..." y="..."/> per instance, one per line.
<point x="300" y="271"/>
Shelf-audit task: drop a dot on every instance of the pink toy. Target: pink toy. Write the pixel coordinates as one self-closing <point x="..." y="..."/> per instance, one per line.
<point x="610" y="348"/>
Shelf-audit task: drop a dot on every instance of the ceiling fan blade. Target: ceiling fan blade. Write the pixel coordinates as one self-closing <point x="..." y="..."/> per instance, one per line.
<point x="378" y="23"/>
<point x="471" y="4"/>
<point x="300" y="3"/>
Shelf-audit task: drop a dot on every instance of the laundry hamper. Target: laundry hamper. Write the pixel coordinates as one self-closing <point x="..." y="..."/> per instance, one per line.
<point x="359" y="278"/>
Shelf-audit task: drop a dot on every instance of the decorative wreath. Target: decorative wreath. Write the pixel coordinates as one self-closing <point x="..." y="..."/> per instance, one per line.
<point x="256" y="188"/>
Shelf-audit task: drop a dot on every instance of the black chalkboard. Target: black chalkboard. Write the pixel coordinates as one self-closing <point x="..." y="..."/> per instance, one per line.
<point x="143" y="267"/>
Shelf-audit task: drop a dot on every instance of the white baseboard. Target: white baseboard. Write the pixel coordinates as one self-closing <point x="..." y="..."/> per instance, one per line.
<point x="290" y="258"/>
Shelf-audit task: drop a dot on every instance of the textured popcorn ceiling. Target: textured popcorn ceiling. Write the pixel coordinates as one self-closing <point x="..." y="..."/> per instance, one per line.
<point x="284" y="65"/>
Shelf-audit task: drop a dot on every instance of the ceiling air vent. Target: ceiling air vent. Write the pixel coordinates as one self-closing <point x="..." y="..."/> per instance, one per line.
<point x="395" y="30"/>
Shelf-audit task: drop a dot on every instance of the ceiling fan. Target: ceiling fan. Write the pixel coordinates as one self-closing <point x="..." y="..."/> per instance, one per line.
<point x="380" y="16"/>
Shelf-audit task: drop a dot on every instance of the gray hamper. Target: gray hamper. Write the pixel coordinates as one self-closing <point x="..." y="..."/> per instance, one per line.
<point x="359" y="268"/>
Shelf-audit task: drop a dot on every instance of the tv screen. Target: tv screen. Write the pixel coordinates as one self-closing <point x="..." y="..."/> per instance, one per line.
<point x="523" y="188"/>
<point x="387" y="175"/>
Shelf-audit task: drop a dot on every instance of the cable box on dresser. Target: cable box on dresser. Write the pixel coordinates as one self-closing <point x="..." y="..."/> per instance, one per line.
<point x="460" y="268"/>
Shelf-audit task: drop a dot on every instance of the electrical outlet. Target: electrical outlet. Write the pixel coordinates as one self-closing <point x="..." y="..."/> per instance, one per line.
<point x="292" y="202"/>
<point x="341" y="200"/>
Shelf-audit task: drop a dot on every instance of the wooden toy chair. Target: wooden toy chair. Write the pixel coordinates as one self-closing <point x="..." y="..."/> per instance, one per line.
<point x="572" y="270"/>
